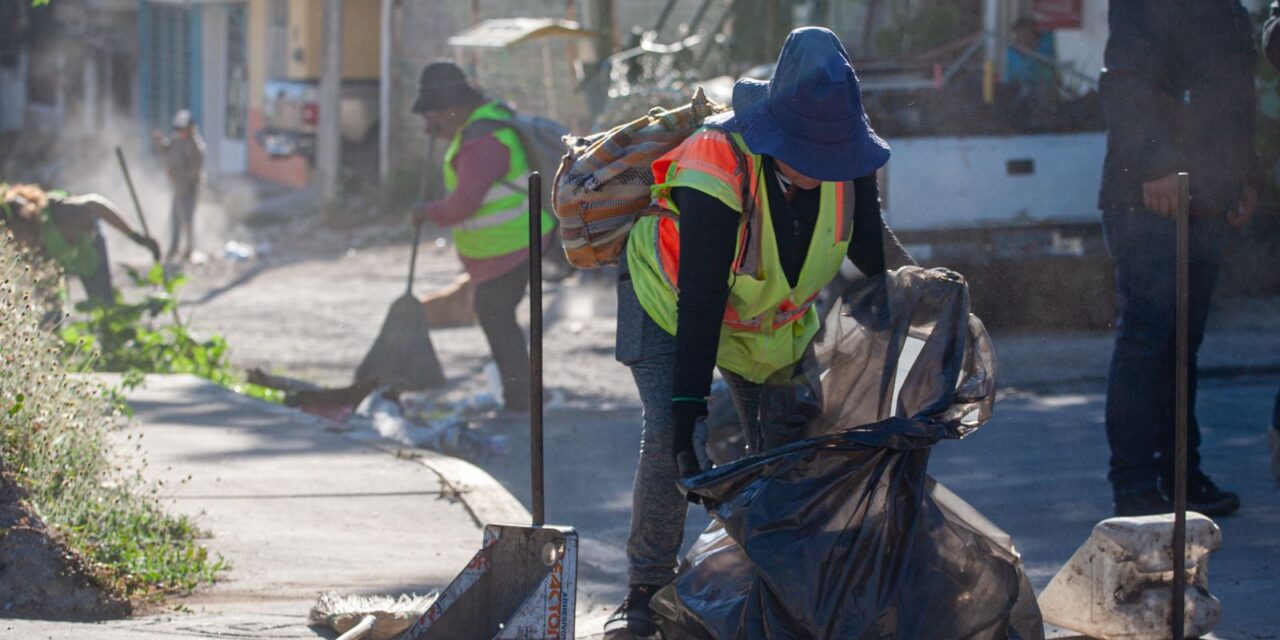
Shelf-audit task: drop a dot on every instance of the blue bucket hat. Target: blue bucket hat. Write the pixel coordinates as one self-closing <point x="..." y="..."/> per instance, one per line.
<point x="809" y="115"/>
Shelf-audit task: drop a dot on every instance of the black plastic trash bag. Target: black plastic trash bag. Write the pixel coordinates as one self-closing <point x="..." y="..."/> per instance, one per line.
<point x="840" y="533"/>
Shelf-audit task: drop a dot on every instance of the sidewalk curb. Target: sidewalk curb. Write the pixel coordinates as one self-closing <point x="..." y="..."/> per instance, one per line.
<point x="483" y="496"/>
<point x="1203" y="373"/>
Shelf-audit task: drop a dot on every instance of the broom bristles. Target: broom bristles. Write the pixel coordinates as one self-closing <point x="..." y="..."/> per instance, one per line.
<point x="394" y="614"/>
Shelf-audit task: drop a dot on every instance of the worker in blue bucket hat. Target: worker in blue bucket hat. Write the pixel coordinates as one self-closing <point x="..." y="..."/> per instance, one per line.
<point x="762" y="206"/>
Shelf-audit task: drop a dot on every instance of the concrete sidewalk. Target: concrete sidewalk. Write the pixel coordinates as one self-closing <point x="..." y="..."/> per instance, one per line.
<point x="296" y="509"/>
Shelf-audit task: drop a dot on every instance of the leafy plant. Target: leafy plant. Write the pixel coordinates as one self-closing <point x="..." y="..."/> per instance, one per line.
<point x="54" y="443"/>
<point x="150" y="336"/>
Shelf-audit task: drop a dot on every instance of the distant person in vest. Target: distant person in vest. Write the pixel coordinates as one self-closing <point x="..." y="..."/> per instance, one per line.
<point x="486" y="209"/>
<point x="766" y="202"/>
<point x="184" y="161"/>
<point x="68" y="230"/>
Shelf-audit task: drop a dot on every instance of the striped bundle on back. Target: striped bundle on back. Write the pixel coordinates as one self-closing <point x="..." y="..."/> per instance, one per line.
<point x="603" y="183"/>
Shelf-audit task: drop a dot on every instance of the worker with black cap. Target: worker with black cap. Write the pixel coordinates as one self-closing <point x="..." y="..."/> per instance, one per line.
<point x="485" y="209"/>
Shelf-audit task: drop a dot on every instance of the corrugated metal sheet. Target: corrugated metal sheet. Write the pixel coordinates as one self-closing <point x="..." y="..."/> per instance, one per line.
<point x="504" y="32"/>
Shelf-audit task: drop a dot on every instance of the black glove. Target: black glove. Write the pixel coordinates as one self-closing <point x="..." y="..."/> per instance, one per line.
<point x="686" y="417"/>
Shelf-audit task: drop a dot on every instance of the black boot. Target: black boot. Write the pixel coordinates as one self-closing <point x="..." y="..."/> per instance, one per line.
<point x="1203" y="496"/>
<point x="1142" y="503"/>
<point x="632" y="619"/>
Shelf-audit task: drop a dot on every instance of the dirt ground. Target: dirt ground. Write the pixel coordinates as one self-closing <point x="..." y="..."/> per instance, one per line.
<point x="311" y="303"/>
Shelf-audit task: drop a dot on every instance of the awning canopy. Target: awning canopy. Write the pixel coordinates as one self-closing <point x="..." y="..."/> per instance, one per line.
<point x="504" y="32"/>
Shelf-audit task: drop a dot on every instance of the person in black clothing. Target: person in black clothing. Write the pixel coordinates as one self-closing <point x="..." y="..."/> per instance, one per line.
<point x="1178" y="96"/>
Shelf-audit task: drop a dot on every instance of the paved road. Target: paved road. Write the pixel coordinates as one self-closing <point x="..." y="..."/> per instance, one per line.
<point x="1038" y="470"/>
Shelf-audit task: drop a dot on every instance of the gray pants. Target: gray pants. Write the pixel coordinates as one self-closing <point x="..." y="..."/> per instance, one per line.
<point x="182" y="220"/>
<point x="658" y="509"/>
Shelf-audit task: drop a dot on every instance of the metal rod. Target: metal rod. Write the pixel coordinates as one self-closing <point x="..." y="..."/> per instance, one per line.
<point x="535" y="349"/>
<point x="662" y="17"/>
<point x="1183" y="404"/>
<point x="697" y="17"/>
<point x="711" y="41"/>
<point x="124" y="168"/>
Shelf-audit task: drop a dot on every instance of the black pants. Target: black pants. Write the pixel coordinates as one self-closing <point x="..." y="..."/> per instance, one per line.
<point x="495" y="306"/>
<point x="1275" y="416"/>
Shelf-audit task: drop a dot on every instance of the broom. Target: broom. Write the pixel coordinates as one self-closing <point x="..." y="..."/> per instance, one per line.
<point x="402" y="355"/>
<point x="368" y="617"/>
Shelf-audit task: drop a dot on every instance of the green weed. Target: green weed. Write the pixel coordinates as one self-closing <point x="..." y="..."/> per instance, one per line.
<point x="54" y="430"/>
<point x="150" y="336"/>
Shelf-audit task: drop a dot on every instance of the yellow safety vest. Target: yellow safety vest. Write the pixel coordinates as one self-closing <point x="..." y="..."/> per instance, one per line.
<point x="767" y="323"/>
<point x="501" y="224"/>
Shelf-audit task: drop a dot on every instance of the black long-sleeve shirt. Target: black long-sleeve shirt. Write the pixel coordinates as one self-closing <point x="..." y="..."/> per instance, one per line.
<point x="708" y="237"/>
<point x="1178" y="95"/>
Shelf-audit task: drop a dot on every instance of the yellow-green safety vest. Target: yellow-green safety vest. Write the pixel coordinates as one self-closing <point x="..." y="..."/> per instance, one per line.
<point x="767" y="323"/>
<point x="501" y="224"/>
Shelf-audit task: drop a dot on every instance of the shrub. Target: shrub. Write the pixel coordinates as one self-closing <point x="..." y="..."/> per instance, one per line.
<point x="151" y="337"/>
<point x="54" y="441"/>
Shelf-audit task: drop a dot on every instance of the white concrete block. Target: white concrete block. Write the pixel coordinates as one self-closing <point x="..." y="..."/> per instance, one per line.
<point x="1118" y="585"/>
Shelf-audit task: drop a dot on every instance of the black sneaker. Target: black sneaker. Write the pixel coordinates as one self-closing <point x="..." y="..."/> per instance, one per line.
<point x="632" y="619"/>
<point x="1143" y="503"/>
<point x="1203" y="496"/>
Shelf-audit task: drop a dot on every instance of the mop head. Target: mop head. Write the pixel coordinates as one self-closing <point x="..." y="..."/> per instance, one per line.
<point x="394" y="615"/>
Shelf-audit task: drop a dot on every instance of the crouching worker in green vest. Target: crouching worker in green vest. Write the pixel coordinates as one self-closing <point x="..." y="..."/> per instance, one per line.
<point x="485" y="170"/>
<point x="766" y="202"/>
<point x="68" y="230"/>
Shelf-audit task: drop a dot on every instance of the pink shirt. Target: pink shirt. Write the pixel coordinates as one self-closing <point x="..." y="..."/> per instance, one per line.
<point x="479" y="163"/>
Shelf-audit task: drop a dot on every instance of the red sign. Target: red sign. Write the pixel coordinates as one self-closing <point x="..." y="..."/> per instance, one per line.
<point x="1058" y="14"/>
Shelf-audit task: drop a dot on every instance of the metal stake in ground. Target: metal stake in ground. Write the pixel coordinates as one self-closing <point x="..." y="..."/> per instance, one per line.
<point x="535" y="348"/>
<point x="522" y="585"/>
<point x="1182" y="398"/>
<point x="124" y="168"/>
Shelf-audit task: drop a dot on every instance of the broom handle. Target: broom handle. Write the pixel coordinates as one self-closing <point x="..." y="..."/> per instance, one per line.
<point x="413" y="257"/>
<point x="361" y="629"/>
<point x="535" y="348"/>
<point x="124" y="168"/>
<point x="417" y="228"/>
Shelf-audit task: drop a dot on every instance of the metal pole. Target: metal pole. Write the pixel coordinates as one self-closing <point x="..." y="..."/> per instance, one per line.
<point x="535" y="348"/>
<point x="662" y="17"/>
<point x="711" y="41"/>
<point x="697" y="17"/>
<point x="124" y="168"/>
<point x="328" y="130"/>
<point x="384" y="92"/>
<point x="1182" y="398"/>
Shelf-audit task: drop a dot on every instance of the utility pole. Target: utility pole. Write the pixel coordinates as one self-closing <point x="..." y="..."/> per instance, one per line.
<point x="991" y="52"/>
<point x="328" y="133"/>
<point x="387" y="42"/>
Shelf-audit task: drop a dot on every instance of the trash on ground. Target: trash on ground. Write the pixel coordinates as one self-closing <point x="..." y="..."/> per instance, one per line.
<point x="1117" y="584"/>
<point x="382" y="413"/>
<point x="237" y="251"/>
<point x="448" y="434"/>
<point x="841" y="533"/>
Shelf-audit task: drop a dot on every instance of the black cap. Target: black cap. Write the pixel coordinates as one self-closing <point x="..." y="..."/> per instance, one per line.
<point x="443" y="85"/>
